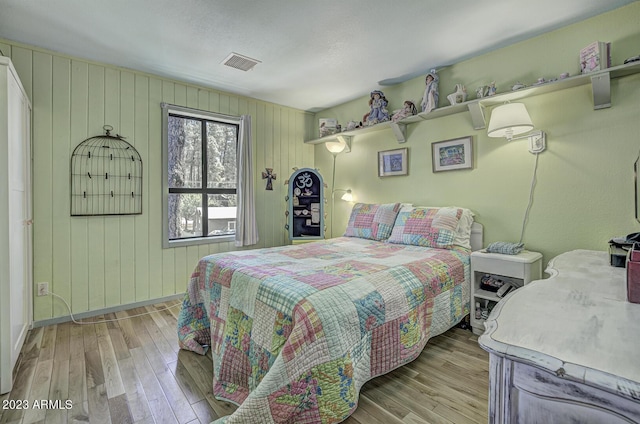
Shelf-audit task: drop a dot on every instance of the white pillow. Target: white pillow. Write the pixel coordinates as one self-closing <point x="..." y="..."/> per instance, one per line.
<point x="463" y="231"/>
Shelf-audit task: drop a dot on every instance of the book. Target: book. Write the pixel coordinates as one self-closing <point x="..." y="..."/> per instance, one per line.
<point x="595" y="57"/>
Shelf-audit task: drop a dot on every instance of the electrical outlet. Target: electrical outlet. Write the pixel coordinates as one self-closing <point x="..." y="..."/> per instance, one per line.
<point x="43" y="289"/>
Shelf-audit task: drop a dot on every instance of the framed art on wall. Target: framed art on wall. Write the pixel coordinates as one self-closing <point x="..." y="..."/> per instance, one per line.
<point x="393" y="162"/>
<point x="450" y="155"/>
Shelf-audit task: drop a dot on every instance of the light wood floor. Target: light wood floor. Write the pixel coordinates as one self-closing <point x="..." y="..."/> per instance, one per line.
<point x="131" y="371"/>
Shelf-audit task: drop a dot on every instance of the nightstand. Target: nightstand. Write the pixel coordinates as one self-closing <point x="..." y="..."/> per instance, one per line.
<point x="517" y="269"/>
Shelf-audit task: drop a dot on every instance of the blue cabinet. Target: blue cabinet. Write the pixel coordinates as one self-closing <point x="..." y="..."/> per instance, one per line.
<point x="305" y="205"/>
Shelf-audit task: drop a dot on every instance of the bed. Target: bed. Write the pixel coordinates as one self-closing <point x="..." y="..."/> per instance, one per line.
<point x="295" y="331"/>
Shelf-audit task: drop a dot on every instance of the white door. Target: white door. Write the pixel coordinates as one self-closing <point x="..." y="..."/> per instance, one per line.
<point x="19" y="219"/>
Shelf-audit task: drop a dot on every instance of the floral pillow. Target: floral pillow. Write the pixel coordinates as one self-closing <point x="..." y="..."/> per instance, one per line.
<point x="428" y="227"/>
<point x="372" y="221"/>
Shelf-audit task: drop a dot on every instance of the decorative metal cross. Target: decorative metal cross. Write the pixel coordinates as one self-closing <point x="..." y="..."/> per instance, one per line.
<point x="269" y="176"/>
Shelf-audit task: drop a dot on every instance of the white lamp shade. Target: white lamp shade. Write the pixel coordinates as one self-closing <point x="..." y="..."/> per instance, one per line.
<point x="347" y="197"/>
<point x="335" y="146"/>
<point x="508" y="120"/>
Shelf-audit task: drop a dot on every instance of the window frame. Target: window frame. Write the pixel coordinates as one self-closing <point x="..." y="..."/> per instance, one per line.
<point x="169" y="109"/>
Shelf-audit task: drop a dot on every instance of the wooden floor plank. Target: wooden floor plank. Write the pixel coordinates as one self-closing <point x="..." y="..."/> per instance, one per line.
<point x="21" y="388"/>
<point x="93" y="368"/>
<point x="78" y="389"/>
<point x="138" y="402"/>
<point x="456" y="379"/>
<point x="130" y="371"/>
<point x="89" y="337"/>
<point x="156" y="359"/>
<point x="186" y="382"/>
<point x="31" y="348"/>
<point x="168" y="329"/>
<point x="99" y="405"/>
<point x="204" y="380"/>
<point x="128" y="333"/>
<point x="76" y="343"/>
<point x="158" y="403"/>
<point x="416" y="403"/>
<point x="59" y="390"/>
<point x="369" y="412"/>
<point x="433" y="418"/>
<point x="119" y="410"/>
<point x="205" y="413"/>
<point x="112" y="377"/>
<point x="120" y="347"/>
<point x="177" y="400"/>
<point x="111" y="372"/>
<point x="164" y="348"/>
<point x="62" y="348"/>
<point x="47" y="349"/>
<point x="39" y="390"/>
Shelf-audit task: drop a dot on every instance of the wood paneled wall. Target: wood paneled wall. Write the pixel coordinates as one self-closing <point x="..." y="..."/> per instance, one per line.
<point x="105" y="261"/>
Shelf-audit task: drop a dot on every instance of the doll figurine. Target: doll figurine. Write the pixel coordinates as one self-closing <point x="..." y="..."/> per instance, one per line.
<point x="430" y="97"/>
<point x="492" y="89"/>
<point x="378" y="104"/>
<point x="409" y="109"/>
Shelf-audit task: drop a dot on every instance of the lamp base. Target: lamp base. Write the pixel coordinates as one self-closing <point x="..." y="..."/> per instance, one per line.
<point x="537" y="142"/>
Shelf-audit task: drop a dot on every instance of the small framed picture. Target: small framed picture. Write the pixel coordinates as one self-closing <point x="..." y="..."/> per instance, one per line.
<point x="392" y="162"/>
<point x="450" y="155"/>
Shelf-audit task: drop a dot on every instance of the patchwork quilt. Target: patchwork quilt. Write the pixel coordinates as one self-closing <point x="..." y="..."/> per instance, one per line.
<point x="295" y="331"/>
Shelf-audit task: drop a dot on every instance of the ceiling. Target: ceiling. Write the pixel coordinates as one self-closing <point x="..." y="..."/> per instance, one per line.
<point x="314" y="54"/>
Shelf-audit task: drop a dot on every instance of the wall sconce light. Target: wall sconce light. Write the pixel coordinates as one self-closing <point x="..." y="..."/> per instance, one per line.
<point x="335" y="147"/>
<point x="347" y="196"/>
<point x="511" y="119"/>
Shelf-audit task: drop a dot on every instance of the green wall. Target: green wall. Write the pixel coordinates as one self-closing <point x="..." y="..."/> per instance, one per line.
<point x="584" y="191"/>
<point x="103" y="262"/>
<point x="583" y="194"/>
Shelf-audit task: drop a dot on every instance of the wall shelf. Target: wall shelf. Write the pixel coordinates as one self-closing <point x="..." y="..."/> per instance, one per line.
<point x="348" y="134"/>
<point x="600" y="83"/>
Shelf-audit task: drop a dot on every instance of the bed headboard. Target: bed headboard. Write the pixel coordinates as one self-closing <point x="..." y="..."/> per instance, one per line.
<point x="476" y="236"/>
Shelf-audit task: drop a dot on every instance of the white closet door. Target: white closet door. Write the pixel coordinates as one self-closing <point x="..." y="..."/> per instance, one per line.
<point x="18" y="179"/>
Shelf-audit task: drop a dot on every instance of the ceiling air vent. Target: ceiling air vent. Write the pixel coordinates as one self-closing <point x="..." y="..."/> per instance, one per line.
<point x="239" y="61"/>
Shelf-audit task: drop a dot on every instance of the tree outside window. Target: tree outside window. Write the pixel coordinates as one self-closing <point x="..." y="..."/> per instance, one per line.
<point x="201" y="176"/>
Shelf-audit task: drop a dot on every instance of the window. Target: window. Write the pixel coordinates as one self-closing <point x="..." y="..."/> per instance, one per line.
<point x="200" y="184"/>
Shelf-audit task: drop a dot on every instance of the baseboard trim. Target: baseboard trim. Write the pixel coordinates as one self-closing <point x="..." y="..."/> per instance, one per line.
<point x="110" y="310"/>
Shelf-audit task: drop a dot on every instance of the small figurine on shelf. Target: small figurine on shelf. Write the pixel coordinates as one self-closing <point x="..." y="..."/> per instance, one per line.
<point x="378" y="104"/>
<point x="486" y="90"/>
<point x="430" y="96"/>
<point x="409" y="109"/>
<point x="352" y="125"/>
<point x="459" y="96"/>
<point x="491" y="91"/>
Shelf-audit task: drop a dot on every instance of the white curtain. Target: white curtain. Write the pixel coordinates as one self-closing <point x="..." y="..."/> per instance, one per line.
<point x="246" y="225"/>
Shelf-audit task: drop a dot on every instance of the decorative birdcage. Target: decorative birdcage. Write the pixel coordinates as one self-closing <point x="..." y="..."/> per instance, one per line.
<point x="106" y="177"/>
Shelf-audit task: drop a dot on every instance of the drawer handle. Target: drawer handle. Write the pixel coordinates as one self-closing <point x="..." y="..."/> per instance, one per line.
<point x="560" y="372"/>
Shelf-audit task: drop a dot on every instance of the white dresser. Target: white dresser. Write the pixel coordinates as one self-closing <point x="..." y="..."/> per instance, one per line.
<point x="566" y="349"/>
